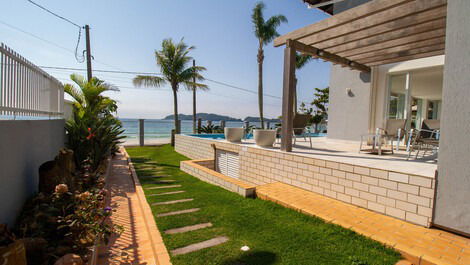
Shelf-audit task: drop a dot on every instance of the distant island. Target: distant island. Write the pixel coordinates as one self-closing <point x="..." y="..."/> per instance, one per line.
<point x="257" y="119"/>
<point x="203" y="116"/>
<point x="216" y="117"/>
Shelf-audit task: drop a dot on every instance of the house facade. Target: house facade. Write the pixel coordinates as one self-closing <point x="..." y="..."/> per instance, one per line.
<point x="418" y="71"/>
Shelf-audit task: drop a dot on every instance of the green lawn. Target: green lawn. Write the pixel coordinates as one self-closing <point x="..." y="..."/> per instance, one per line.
<point x="276" y="235"/>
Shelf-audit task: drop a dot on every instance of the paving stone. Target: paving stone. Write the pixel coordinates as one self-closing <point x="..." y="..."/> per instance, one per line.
<point x="164" y="181"/>
<point x="192" y="210"/>
<point x="187" y="228"/>
<point x="163" y="187"/>
<point x="167" y="193"/>
<point x="172" y="202"/>
<point x="198" y="246"/>
<point x="150" y="177"/>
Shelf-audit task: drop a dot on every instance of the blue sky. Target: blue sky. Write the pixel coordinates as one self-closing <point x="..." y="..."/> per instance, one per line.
<point x="124" y="35"/>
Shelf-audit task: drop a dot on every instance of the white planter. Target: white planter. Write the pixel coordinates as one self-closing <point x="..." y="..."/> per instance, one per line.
<point x="234" y="135"/>
<point x="264" y="138"/>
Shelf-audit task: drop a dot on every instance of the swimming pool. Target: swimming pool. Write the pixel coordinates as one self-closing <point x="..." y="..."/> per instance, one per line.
<point x="221" y="136"/>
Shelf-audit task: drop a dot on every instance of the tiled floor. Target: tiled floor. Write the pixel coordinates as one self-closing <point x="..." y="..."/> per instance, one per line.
<point x="418" y="244"/>
<point x="141" y="242"/>
<point x="348" y="152"/>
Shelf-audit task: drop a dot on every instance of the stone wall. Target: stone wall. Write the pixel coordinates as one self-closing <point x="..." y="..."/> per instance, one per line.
<point x="403" y="196"/>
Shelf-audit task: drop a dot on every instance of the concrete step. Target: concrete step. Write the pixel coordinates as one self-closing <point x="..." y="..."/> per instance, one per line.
<point x="192" y="210"/>
<point x="201" y="245"/>
<point x="187" y="228"/>
<point x="163" y="187"/>
<point x="167" y="193"/>
<point x="172" y="202"/>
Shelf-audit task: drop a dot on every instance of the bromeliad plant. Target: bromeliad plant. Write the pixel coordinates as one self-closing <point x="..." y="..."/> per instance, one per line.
<point x="93" y="132"/>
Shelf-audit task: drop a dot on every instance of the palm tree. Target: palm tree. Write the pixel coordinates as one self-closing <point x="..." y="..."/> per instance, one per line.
<point x="173" y="60"/>
<point x="300" y="61"/>
<point x="265" y="31"/>
<point x="194" y="90"/>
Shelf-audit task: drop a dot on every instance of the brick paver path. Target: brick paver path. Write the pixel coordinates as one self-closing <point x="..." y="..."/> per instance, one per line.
<point x="418" y="244"/>
<point x="141" y="242"/>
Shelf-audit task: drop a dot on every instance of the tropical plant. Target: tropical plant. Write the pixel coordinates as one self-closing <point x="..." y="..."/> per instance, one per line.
<point x="173" y="60"/>
<point x="210" y="128"/>
<point x="93" y="132"/>
<point x="265" y="32"/>
<point x="322" y="97"/>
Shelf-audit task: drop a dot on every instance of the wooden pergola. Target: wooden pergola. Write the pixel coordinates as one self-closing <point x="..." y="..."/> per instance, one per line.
<point x="375" y="33"/>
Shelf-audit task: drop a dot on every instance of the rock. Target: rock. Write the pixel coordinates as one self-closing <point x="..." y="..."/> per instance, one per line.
<point x="60" y="170"/>
<point x="69" y="259"/>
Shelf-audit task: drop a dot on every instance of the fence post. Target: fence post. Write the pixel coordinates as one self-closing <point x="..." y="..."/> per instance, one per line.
<point x="222" y="124"/>
<point x="199" y="122"/>
<point x="268" y="125"/>
<point x="141" y="132"/>
<point x="178" y="126"/>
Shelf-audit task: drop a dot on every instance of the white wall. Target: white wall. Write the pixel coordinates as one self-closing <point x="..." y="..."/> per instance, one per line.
<point x="452" y="208"/>
<point x="24" y="146"/>
<point x="348" y="113"/>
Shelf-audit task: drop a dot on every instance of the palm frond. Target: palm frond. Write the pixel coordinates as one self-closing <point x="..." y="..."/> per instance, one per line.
<point x="76" y="94"/>
<point x="148" y="81"/>
<point x="258" y="19"/>
<point x="301" y="60"/>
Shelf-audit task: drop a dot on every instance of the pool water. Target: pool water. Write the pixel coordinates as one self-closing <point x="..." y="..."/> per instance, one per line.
<point x="221" y="136"/>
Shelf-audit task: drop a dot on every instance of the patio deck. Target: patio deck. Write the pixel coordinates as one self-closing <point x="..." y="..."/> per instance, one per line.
<point x="387" y="184"/>
<point x="348" y="152"/>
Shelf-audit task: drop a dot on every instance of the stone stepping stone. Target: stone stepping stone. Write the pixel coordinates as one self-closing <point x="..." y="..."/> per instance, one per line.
<point x="164" y="181"/>
<point x="151" y="177"/>
<point x="163" y="187"/>
<point x="167" y="193"/>
<point x="178" y="212"/>
<point x="172" y="202"/>
<point x="201" y="245"/>
<point x="187" y="228"/>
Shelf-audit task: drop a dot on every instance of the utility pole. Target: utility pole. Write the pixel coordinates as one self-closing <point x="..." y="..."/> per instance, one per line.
<point x="88" y="53"/>
<point x="194" y="99"/>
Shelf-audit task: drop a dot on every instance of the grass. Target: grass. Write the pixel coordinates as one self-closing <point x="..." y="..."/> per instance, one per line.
<point x="275" y="235"/>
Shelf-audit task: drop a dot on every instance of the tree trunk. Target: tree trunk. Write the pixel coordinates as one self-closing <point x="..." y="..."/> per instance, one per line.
<point x="194" y="100"/>
<point x="260" y="83"/>
<point x="295" y="95"/>
<point x="175" y="109"/>
<point x="194" y="110"/>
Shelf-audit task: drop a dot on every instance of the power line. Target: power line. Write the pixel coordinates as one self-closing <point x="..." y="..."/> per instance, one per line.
<point x="147" y="73"/>
<point x="54" y="14"/>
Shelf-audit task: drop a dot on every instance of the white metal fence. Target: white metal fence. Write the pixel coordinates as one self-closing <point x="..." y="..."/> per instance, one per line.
<point x="26" y="90"/>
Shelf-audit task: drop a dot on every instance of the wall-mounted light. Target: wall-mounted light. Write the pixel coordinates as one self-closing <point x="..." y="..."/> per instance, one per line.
<point x="349" y="92"/>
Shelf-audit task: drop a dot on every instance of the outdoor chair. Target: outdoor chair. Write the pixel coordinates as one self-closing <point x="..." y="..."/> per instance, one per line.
<point x="393" y="131"/>
<point x="424" y="139"/>
<point x="299" y="128"/>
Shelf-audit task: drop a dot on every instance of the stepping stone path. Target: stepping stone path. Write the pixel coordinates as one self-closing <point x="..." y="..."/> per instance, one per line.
<point x="172" y="202"/>
<point x="164" y="187"/>
<point x="190" y="248"/>
<point x="167" y="193"/>
<point x="178" y="212"/>
<point x="187" y="228"/>
<point x="201" y="245"/>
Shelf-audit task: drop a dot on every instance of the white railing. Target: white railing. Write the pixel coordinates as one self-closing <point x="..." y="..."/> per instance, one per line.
<point x="26" y="90"/>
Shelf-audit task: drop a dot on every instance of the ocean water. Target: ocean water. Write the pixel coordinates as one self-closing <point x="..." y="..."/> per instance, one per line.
<point x="154" y="128"/>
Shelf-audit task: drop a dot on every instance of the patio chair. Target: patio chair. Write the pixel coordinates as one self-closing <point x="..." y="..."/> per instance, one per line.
<point x="393" y="131"/>
<point x="299" y="128"/>
<point x="424" y="139"/>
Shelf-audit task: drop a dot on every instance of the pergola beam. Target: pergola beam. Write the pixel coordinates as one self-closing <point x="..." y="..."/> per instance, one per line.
<point x="406" y="26"/>
<point x="318" y="53"/>
<point x="412" y="54"/>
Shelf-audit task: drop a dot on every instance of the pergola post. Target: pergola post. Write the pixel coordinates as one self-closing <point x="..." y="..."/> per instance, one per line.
<point x="288" y="93"/>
